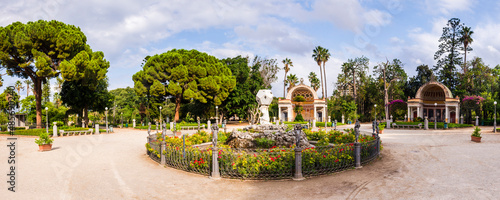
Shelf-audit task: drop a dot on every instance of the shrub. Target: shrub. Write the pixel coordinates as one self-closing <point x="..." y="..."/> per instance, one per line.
<point x="476" y="132"/>
<point x="44" y="139"/>
<point x="299" y="118"/>
<point x="264" y="142"/>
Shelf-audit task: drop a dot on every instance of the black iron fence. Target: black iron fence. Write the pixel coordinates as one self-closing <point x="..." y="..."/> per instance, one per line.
<point x="273" y="163"/>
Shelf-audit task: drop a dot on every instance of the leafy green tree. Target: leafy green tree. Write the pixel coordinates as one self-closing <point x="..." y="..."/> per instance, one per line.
<point x="46" y="92"/>
<point x="38" y="50"/>
<point x="4" y="99"/>
<point x="129" y="104"/>
<point x="423" y="76"/>
<point x="313" y="79"/>
<point x="185" y="75"/>
<point x="447" y="55"/>
<point x="81" y="97"/>
<point x="288" y="63"/>
<point x="248" y="83"/>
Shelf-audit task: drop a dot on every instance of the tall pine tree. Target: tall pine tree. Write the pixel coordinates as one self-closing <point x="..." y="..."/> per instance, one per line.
<point x="448" y="56"/>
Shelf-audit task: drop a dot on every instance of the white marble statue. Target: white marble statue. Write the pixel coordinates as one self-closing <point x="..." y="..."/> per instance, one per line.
<point x="264" y="98"/>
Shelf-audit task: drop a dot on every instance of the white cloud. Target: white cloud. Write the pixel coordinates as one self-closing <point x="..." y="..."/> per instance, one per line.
<point x="447" y="7"/>
<point x="486" y="43"/>
<point x="349" y="14"/>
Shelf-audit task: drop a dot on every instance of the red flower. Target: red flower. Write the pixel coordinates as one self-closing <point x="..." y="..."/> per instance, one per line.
<point x="233" y="164"/>
<point x="337" y="160"/>
<point x="324" y="156"/>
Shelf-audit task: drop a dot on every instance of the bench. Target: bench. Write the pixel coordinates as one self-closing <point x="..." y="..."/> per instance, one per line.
<point x="403" y="126"/>
<point x="192" y="127"/>
<point x="81" y="132"/>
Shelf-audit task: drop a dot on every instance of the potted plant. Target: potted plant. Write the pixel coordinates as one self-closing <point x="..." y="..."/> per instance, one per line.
<point x="476" y="135"/>
<point x="381" y="128"/>
<point x="44" y="142"/>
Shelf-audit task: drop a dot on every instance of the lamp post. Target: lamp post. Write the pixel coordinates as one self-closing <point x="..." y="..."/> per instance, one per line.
<point x="495" y="118"/>
<point x="375" y="112"/>
<point x="122" y="119"/>
<point x="47" y="118"/>
<point x="106" y="112"/>
<point x="217" y="115"/>
<point x="161" y="128"/>
<point x="435" y="116"/>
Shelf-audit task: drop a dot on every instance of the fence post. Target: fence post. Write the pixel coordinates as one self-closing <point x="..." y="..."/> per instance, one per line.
<point x="149" y="128"/>
<point x="298" y="154"/>
<point x="215" y="151"/>
<point x="184" y="146"/>
<point x="357" y="146"/>
<point x="163" y="147"/>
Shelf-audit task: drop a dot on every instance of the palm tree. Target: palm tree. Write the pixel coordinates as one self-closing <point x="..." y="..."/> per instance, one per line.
<point x="313" y="79"/>
<point x="288" y="63"/>
<point x="291" y="81"/>
<point x="28" y="84"/>
<point x="325" y="55"/>
<point x="466" y="39"/>
<point x="317" y="56"/>
<point x="19" y="86"/>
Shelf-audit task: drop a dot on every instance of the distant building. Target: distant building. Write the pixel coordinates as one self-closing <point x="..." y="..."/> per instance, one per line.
<point x="313" y="106"/>
<point x="19" y="120"/>
<point x="431" y="93"/>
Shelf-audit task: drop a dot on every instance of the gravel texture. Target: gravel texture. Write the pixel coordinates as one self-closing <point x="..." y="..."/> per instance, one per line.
<point x="415" y="164"/>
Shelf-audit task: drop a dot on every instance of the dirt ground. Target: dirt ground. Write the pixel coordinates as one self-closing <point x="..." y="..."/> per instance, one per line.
<point x="414" y="164"/>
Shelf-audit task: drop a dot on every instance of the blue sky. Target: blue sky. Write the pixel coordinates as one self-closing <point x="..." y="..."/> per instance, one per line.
<point x="128" y="30"/>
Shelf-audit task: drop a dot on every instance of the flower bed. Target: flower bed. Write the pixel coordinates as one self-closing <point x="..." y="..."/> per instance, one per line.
<point x="263" y="163"/>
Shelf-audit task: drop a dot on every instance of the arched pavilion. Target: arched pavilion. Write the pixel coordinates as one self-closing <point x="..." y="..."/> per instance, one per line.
<point x="314" y="108"/>
<point x="431" y="93"/>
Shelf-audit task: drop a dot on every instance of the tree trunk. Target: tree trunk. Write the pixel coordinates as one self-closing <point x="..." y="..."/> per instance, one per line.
<point x="38" y="99"/>
<point x="177" y="107"/>
<point x="326" y="87"/>
<point x="86" y="116"/>
<point x="284" y="87"/>
<point x="322" y="86"/>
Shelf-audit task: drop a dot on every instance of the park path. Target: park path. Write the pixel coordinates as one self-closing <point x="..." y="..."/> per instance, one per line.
<point x="414" y="165"/>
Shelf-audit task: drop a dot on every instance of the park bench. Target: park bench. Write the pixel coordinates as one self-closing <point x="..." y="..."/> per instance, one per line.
<point x="403" y="126"/>
<point x="81" y="132"/>
<point x="192" y="127"/>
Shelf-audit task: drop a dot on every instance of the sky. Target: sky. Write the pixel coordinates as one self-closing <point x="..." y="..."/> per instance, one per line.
<point x="129" y="30"/>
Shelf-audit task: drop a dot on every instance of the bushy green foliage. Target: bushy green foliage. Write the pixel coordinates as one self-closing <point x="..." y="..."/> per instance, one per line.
<point x="298" y="118"/>
<point x="264" y="142"/>
<point x="44" y="139"/>
<point x="476" y="132"/>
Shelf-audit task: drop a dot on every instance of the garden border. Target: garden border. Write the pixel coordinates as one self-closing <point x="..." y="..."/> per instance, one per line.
<point x="294" y="163"/>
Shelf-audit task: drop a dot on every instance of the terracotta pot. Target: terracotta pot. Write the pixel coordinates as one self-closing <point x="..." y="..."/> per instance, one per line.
<point x="45" y="147"/>
<point x="475" y="139"/>
<point x="381" y="131"/>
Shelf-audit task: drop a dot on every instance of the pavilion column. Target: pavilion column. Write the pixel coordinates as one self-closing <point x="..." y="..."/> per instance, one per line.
<point x="314" y="113"/>
<point x="447" y="114"/>
<point x="290" y="113"/>
<point x="409" y="108"/>
<point x="418" y="111"/>
<point x="279" y="113"/>
<point x="457" y="115"/>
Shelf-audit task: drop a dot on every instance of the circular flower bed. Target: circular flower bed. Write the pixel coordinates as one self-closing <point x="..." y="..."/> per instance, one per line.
<point x="334" y="151"/>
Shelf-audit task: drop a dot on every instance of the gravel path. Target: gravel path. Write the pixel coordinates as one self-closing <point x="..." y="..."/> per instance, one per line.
<point x="414" y="165"/>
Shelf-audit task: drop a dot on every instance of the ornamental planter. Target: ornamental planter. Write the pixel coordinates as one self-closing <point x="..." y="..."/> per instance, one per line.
<point x="45" y="147"/>
<point x="475" y="139"/>
<point x="381" y="131"/>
